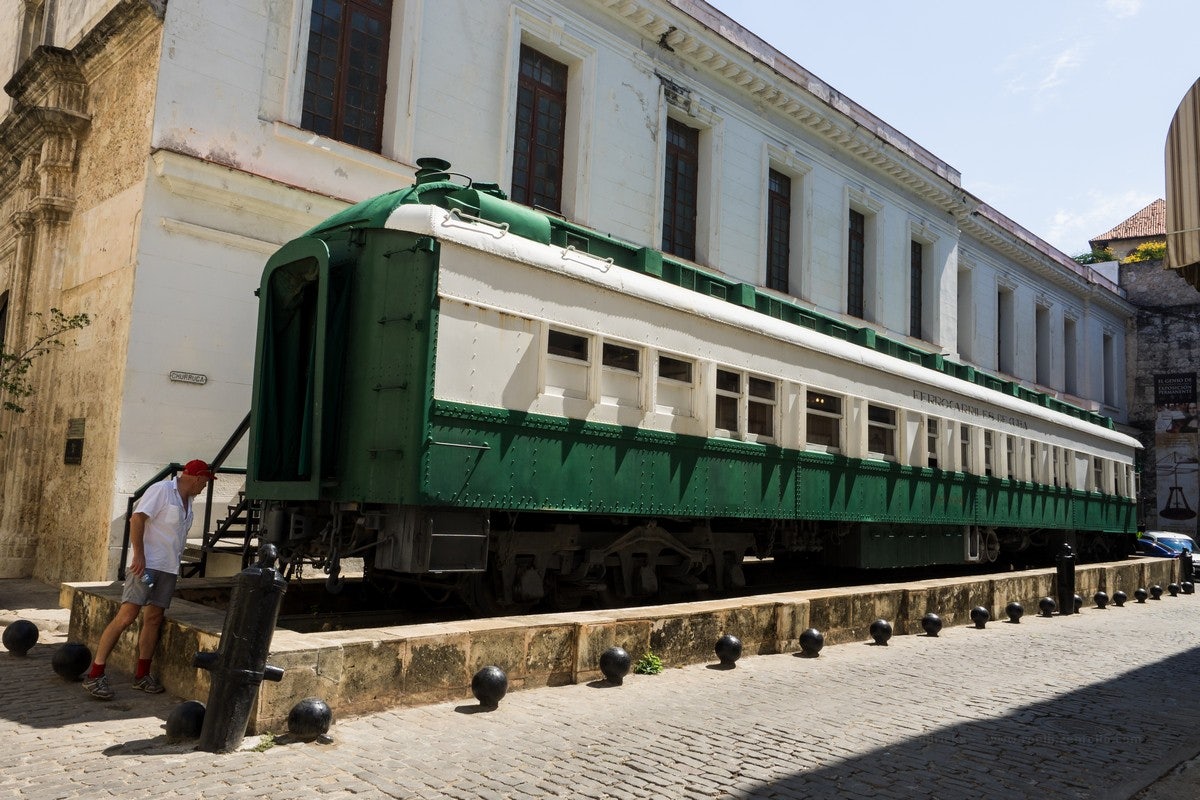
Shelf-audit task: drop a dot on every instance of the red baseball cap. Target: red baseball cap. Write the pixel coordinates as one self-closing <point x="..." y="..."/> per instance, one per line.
<point x="199" y="468"/>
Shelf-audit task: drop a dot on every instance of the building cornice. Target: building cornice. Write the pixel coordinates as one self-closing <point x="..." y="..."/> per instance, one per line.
<point x="732" y="55"/>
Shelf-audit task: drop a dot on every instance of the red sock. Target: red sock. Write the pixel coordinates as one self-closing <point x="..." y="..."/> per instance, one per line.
<point x="96" y="671"/>
<point x="143" y="668"/>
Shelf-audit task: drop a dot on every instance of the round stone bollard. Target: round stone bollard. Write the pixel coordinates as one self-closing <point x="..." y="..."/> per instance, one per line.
<point x="1047" y="605"/>
<point x="728" y="650"/>
<point x="1140" y="594"/>
<point x="614" y="663"/>
<point x="20" y="637"/>
<point x="811" y="642"/>
<point x="1100" y="599"/>
<point x="881" y="631"/>
<point x="1015" y="611"/>
<point x="980" y="616"/>
<point x="931" y="623"/>
<point x="1119" y="598"/>
<point x="310" y="718"/>
<point x="1173" y="589"/>
<point x="489" y="686"/>
<point x="1078" y="602"/>
<point x="1187" y="587"/>
<point x="71" y="660"/>
<point x="185" y="721"/>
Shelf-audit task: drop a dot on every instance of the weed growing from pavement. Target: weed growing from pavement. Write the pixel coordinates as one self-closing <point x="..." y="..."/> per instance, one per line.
<point x="648" y="664"/>
<point x="267" y="742"/>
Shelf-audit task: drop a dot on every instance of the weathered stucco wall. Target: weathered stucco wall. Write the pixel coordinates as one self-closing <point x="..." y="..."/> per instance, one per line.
<point x="55" y="517"/>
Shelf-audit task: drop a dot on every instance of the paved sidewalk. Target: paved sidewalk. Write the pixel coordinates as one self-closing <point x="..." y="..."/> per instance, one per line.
<point x="1098" y="705"/>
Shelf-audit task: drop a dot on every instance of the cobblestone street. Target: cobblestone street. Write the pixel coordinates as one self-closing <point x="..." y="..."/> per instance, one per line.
<point x="1097" y="705"/>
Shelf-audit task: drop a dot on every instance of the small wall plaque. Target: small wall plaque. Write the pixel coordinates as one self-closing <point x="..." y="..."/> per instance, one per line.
<point x="188" y="377"/>
<point x="73" y="454"/>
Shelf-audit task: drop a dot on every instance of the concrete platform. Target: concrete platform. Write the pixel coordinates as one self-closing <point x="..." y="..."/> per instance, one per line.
<point x="361" y="671"/>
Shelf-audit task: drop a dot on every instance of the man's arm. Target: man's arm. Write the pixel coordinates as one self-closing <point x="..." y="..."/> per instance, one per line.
<point x="137" y="532"/>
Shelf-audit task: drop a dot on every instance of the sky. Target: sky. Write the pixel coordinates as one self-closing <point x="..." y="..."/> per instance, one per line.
<point x="1054" y="111"/>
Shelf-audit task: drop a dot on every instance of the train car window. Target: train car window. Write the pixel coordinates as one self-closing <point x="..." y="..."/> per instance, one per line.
<point x="1116" y="478"/>
<point x="824" y="420"/>
<point x="729" y="392"/>
<point x="615" y="356"/>
<point x="931" y="441"/>
<point x="567" y="364"/>
<point x="761" y="407"/>
<point x="673" y="369"/>
<point x="674" y="392"/>
<point x="964" y="448"/>
<point x="987" y="452"/>
<point x="1097" y="474"/>
<point x="881" y="431"/>
<point x="1010" y="457"/>
<point x="567" y="345"/>
<point x="620" y="379"/>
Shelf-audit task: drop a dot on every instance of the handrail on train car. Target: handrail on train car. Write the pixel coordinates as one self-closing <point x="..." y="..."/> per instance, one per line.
<point x="172" y="469"/>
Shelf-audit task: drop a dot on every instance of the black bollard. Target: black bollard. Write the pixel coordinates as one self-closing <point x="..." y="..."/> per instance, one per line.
<point x="811" y="642"/>
<point x="1119" y="598"/>
<point x="240" y="664"/>
<point x="614" y="663"/>
<point x="1140" y="594"/>
<point x="1101" y="599"/>
<point x="489" y="686"/>
<point x="20" y="636"/>
<point x="728" y="650"/>
<point x="1015" y="611"/>
<point x="980" y="616"/>
<point x="1064" y="563"/>
<point x="1187" y="587"/>
<point x="931" y="623"/>
<point x="1186" y="565"/>
<point x="881" y="631"/>
<point x="185" y="721"/>
<point x="1173" y="589"/>
<point x="309" y="718"/>
<point x="1156" y="592"/>
<point x="1077" y="603"/>
<point x="1047" y="606"/>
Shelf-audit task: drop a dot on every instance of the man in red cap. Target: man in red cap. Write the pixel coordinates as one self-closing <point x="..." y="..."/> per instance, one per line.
<point x="157" y="533"/>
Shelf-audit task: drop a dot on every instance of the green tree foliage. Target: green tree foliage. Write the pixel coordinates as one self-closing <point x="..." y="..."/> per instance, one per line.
<point x="1147" y="251"/>
<point x="1095" y="256"/>
<point x="15" y="385"/>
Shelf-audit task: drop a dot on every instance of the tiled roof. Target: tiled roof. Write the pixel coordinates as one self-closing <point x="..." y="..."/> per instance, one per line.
<point x="1150" y="221"/>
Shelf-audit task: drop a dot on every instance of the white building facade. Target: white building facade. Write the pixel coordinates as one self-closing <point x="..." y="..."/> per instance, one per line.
<point x="160" y="151"/>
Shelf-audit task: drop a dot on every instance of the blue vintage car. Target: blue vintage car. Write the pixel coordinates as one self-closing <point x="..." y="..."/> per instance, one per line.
<point x="1165" y="544"/>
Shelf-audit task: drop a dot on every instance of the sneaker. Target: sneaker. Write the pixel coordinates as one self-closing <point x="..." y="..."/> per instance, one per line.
<point x="148" y="684"/>
<point x="98" y="687"/>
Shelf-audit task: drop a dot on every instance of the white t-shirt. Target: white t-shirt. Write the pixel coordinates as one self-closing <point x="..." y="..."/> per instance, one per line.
<point x="167" y="527"/>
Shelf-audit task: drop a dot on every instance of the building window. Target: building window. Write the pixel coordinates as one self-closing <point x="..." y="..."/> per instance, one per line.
<point x="35" y="30"/>
<point x="966" y="314"/>
<point x="1070" y="357"/>
<point x="779" y="230"/>
<point x="931" y="442"/>
<point x="680" y="190"/>
<point x="541" y="128"/>
<point x="881" y="431"/>
<point x="1041" y="351"/>
<point x="3" y="319"/>
<point x="856" y="265"/>
<point x="1005" y="331"/>
<point x="346" y="78"/>
<point x="916" y="273"/>
<point x="1110" y="370"/>
<point x="824" y="420"/>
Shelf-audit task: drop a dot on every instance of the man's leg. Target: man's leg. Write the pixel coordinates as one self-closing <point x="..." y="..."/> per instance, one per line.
<point x="96" y="683"/>
<point x="152" y="620"/>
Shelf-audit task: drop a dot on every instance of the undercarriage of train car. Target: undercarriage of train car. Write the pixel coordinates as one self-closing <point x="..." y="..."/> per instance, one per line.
<point x="508" y="562"/>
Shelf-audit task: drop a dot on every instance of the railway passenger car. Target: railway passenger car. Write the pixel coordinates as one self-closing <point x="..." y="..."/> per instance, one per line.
<point x="472" y="394"/>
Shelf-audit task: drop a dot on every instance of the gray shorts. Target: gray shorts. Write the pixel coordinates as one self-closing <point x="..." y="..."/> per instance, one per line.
<point x="160" y="594"/>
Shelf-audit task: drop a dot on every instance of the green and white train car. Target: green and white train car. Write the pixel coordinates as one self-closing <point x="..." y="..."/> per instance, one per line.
<point x="467" y="392"/>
